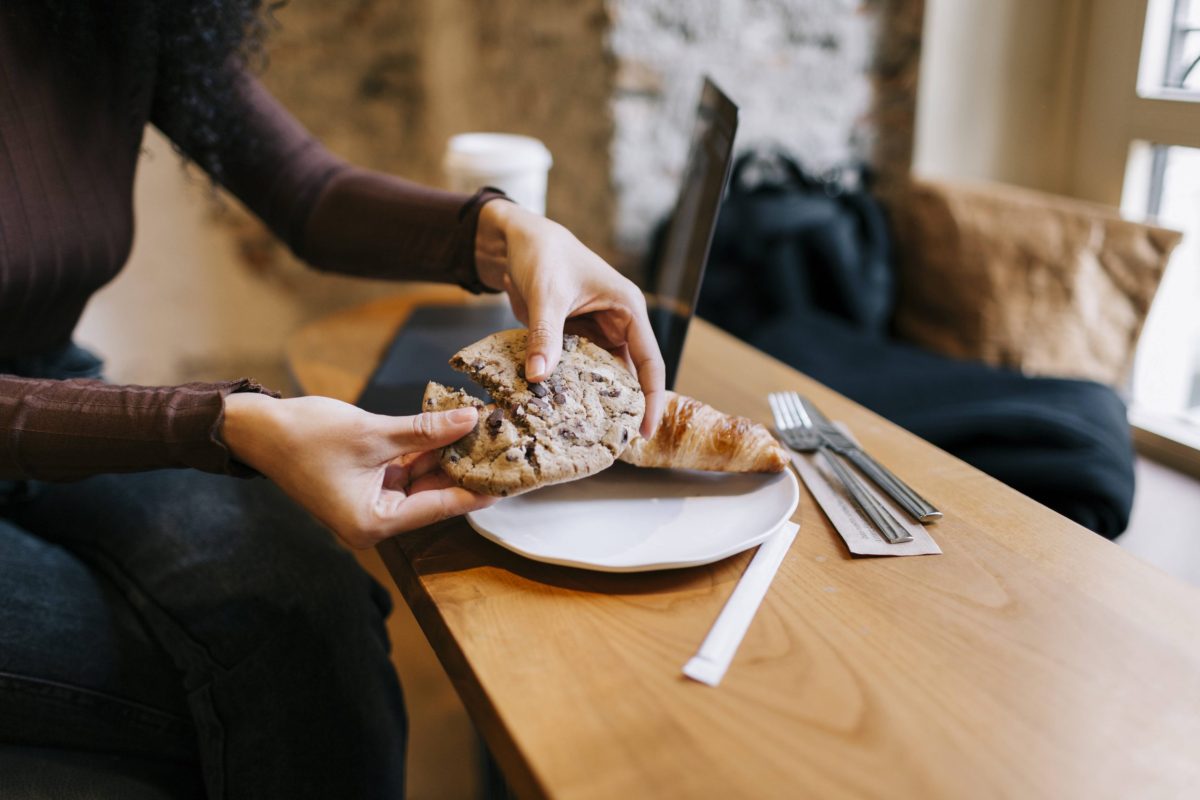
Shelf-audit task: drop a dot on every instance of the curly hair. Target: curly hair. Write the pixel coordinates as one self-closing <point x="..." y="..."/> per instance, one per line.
<point x="201" y="45"/>
<point x="195" y="48"/>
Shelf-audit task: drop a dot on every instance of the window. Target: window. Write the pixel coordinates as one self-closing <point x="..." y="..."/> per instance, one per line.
<point x="1170" y="63"/>
<point x="1163" y="184"/>
<point x="1137" y="144"/>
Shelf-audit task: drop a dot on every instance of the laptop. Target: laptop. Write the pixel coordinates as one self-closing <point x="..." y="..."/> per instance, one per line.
<point x="432" y="334"/>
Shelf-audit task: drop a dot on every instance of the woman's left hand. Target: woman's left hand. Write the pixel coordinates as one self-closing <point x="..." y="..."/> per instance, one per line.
<point x="554" y="282"/>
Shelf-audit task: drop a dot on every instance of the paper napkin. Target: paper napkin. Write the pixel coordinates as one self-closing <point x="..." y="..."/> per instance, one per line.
<point x="852" y="525"/>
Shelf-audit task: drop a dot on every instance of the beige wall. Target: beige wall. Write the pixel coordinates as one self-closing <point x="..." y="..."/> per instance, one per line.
<point x="205" y="295"/>
<point x="999" y="90"/>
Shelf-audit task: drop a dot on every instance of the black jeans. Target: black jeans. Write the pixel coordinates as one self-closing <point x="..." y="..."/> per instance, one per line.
<point x="199" y="619"/>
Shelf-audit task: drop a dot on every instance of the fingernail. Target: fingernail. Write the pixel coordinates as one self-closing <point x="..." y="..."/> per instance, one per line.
<point x="537" y="366"/>
<point x="464" y="415"/>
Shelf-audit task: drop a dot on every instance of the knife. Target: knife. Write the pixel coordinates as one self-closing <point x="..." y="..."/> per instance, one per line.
<point x="918" y="507"/>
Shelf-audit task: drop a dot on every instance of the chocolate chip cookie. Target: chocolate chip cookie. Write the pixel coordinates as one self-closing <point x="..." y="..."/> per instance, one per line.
<point x="571" y="425"/>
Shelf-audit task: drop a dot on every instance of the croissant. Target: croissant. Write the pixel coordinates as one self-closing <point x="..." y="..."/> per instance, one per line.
<point x="693" y="435"/>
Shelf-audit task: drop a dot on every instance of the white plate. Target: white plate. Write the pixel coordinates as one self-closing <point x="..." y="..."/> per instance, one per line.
<point x="627" y="519"/>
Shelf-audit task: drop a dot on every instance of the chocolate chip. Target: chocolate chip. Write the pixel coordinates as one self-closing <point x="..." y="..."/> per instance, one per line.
<point x="538" y="390"/>
<point x="567" y="433"/>
<point x="624" y="435"/>
<point x="560" y="399"/>
<point x="613" y="392"/>
<point x="453" y="458"/>
<point x="540" y="405"/>
<point x="495" y="419"/>
<point x="597" y="377"/>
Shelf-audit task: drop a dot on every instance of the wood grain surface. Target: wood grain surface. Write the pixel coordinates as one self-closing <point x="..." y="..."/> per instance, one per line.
<point x="1032" y="659"/>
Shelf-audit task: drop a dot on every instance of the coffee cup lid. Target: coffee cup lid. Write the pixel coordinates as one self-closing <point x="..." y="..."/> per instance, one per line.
<point x="495" y="153"/>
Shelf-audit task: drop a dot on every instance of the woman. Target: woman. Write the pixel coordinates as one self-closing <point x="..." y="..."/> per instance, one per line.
<point x="182" y="614"/>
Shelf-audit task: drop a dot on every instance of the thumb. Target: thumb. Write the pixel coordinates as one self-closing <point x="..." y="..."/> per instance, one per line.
<point x="432" y="429"/>
<point x="545" y="342"/>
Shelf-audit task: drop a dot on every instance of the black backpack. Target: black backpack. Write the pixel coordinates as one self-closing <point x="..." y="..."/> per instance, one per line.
<point x="788" y="241"/>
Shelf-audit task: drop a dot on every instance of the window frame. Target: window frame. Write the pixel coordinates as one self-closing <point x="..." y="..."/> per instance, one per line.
<point x="1118" y="114"/>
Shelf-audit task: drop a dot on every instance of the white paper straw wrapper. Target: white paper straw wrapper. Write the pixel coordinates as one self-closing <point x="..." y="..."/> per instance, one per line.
<point x="715" y="654"/>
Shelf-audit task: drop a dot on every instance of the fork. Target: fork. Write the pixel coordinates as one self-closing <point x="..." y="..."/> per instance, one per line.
<point x="798" y="432"/>
<point x="918" y="507"/>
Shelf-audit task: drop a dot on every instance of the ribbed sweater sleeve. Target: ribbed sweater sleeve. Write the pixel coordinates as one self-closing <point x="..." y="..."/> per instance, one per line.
<point x="71" y="120"/>
<point x="63" y="430"/>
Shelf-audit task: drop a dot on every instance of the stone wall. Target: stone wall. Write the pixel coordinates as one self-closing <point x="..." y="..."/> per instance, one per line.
<point x="812" y="76"/>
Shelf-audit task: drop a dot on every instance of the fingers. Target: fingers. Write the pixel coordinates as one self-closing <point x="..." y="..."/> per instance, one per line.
<point x="404" y="470"/>
<point x="545" y="340"/>
<point x="520" y="310"/>
<point x="414" y="495"/>
<point x="410" y="477"/>
<point x="426" y="507"/>
<point x="588" y="326"/>
<point x="432" y="429"/>
<point x="424" y="464"/>
<point x="651" y="372"/>
<point x="395" y="477"/>
<point x="430" y="481"/>
<point x="622" y="354"/>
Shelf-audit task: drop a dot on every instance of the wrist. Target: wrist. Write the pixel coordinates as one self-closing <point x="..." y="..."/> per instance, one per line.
<point x="244" y="419"/>
<point x="491" y="242"/>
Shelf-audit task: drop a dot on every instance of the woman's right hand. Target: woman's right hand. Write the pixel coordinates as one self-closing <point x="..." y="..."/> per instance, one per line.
<point x="365" y="476"/>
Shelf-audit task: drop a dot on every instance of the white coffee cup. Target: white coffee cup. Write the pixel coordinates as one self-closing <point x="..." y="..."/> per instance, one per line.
<point x="519" y="165"/>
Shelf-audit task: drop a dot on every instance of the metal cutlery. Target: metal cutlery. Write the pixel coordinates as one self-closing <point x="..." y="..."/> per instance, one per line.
<point x="799" y="431"/>
<point x="918" y="507"/>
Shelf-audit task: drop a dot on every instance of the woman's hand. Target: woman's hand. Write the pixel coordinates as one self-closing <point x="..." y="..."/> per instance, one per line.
<point x="550" y="276"/>
<point x="365" y="476"/>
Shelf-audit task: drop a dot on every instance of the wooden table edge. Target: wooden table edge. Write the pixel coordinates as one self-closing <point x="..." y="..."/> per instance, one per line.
<point x="518" y="771"/>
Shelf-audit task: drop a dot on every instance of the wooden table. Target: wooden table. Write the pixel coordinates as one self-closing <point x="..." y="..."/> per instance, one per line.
<point x="1032" y="659"/>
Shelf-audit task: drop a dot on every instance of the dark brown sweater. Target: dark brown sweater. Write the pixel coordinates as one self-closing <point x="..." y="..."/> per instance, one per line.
<point x="70" y="136"/>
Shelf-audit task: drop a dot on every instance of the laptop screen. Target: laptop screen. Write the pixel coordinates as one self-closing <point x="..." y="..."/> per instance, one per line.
<point x="684" y="251"/>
